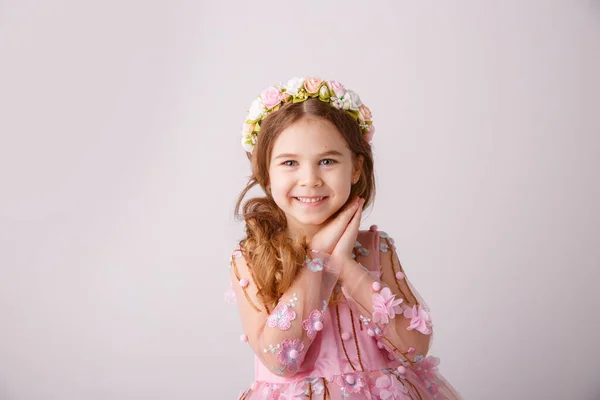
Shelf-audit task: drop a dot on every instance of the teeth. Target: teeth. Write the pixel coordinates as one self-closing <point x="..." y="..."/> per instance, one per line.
<point x="310" y="200"/>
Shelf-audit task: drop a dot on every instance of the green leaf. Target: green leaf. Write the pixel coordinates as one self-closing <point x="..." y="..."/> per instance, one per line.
<point x="353" y="113"/>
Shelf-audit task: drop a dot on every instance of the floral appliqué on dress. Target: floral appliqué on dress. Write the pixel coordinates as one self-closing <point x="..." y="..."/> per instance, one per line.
<point x="363" y="251"/>
<point x="281" y="317"/>
<point x="270" y="392"/>
<point x="387" y="387"/>
<point x="315" y="264"/>
<point x="385" y="306"/>
<point x="420" y="319"/>
<point x="289" y="356"/>
<point x="313" y="324"/>
<point x="427" y="370"/>
<point x="351" y="383"/>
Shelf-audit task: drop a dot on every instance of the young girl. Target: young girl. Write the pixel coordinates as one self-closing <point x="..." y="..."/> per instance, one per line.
<point x="326" y="308"/>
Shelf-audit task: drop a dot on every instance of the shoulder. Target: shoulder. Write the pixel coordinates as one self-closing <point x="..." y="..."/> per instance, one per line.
<point x="237" y="259"/>
<point x="373" y="231"/>
<point x="236" y="254"/>
<point x="374" y="238"/>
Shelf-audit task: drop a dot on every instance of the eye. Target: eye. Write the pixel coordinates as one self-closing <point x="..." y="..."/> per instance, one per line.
<point x="288" y="163"/>
<point x="329" y="161"/>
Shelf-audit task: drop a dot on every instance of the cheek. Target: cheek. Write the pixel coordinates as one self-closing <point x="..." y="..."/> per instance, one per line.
<point x="279" y="184"/>
<point x="343" y="180"/>
<point x="341" y="185"/>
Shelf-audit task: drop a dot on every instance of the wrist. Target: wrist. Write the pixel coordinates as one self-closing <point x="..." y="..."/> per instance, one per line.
<point x="356" y="276"/>
<point x="349" y="269"/>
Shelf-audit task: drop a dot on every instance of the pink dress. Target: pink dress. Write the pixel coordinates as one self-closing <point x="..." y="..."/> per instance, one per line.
<point x="306" y="348"/>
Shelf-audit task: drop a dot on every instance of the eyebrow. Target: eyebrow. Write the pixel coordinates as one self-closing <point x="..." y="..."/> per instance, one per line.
<point x="327" y="153"/>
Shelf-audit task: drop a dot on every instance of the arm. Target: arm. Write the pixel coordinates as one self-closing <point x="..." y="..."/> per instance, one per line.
<point x="281" y="337"/>
<point x="389" y="307"/>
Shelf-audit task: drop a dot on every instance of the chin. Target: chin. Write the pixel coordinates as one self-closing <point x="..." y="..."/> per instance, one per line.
<point x="315" y="221"/>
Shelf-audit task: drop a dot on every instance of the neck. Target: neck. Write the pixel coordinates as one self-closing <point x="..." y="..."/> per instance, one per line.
<point x="296" y="231"/>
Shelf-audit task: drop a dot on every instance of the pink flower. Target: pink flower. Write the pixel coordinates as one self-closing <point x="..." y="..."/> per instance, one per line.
<point x="295" y="391"/>
<point x="313" y="324"/>
<point x="420" y="320"/>
<point x="390" y="388"/>
<point x="270" y="392"/>
<point x="281" y="317"/>
<point x="364" y="113"/>
<point x="271" y="97"/>
<point x="289" y="355"/>
<point x="337" y="88"/>
<point x="432" y="388"/>
<point x="426" y="368"/>
<point x="385" y="305"/>
<point x="312" y="85"/>
<point x="351" y="382"/>
<point x="369" y="136"/>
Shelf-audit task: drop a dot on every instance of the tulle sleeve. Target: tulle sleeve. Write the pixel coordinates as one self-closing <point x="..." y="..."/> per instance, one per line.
<point x="389" y="306"/>
<point x="281" y="337"/>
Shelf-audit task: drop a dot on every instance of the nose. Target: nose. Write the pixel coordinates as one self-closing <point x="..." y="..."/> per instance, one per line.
<point x="310" y="176"/>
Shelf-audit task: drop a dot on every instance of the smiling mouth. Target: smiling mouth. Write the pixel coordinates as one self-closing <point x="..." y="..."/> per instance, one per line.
<point x="311" y="200"/>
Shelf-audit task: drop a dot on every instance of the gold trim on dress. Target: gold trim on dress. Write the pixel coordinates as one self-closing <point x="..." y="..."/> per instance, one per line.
<point x="356" y="341"/>
<point x="400" y="269"/>
<point x="337" y="313"/>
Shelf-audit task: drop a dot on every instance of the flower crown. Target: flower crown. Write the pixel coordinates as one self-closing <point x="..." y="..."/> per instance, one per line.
<point x="298" y="90"/>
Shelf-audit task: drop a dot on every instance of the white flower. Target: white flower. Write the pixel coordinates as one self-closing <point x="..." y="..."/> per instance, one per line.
<point x="295" y="391"/>
<point x="341" y="103"/>
<point x="324" y="92"/>
<point x="246" y="145"/>
<point x="247" y="129"/>
<point x="354" y="99"/>
<point x="316" y="386"/>
<point x="293" y="85"/>
<point x="257" y="110"/>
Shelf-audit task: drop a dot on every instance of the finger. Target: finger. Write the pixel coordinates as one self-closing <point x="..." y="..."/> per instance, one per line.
<point x="354" y="224"/>
<point x="344" y="217"/>
<point x="350" y="205"/>
<point x="345" y="212"/>
<point x="355" y="221"/>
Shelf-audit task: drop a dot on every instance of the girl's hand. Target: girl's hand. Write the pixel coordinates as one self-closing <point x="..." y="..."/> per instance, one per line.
<point x="346" y="243"/>
<point x="326" y="239"/>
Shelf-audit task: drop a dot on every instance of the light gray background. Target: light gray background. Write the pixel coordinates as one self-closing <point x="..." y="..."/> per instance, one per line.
<point x="120" y="163"/>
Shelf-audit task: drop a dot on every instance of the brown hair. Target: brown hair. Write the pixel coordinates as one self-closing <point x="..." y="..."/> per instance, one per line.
<point x="272" y="256"/>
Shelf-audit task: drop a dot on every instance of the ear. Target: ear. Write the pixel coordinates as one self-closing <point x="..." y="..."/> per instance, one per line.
<point x="358" y="165"/>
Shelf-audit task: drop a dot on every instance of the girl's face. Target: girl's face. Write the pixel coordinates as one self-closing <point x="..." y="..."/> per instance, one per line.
<point x="311" y="172"/>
